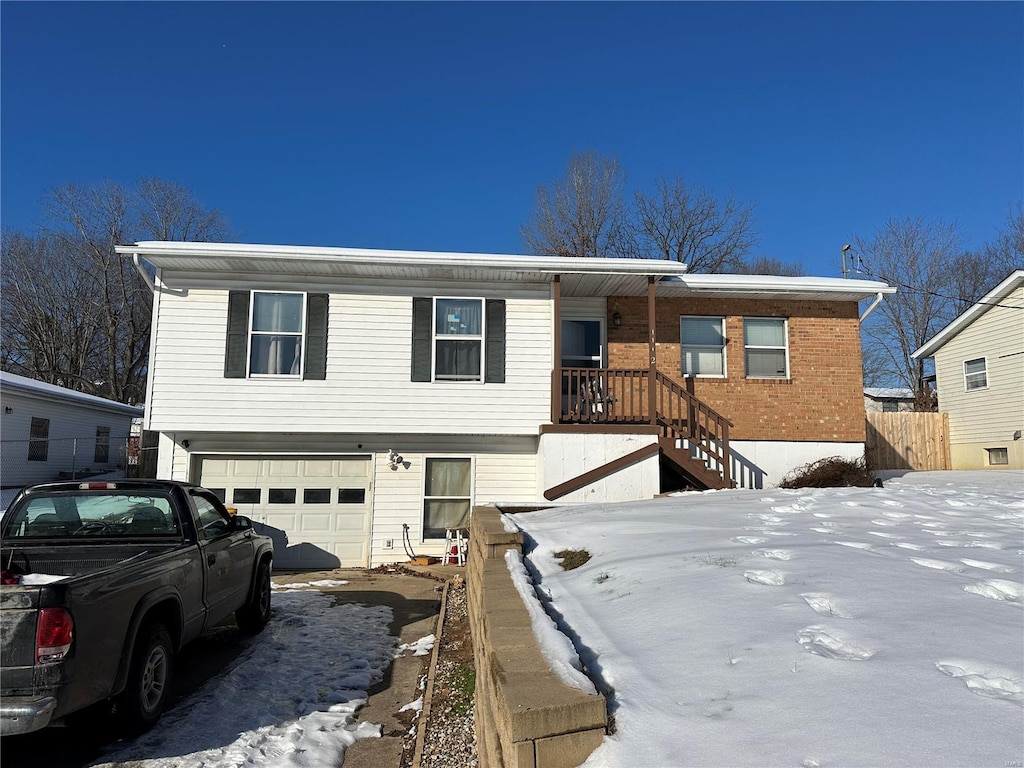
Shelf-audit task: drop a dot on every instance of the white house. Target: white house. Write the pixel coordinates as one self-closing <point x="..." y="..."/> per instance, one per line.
<point x="888" y="399"/>
<point x="49" y="432"/>
<point x="351" y="399"/>
<point x="979" y="370"/>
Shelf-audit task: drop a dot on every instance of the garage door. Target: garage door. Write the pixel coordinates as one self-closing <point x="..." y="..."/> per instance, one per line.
<point x="316" y="508"/>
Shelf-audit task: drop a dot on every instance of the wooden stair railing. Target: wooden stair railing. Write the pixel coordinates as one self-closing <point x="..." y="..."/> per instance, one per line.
<point x="622" y="396"/>
<point x="682" y="416"/>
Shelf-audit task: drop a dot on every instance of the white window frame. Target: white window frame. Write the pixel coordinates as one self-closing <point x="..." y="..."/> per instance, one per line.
<point x="423" y="490"/>
<point x="967" y="376"/>
<point x="785" y="348"/>
<point x="435" y="337"/>
<point x="301" y="336"/>
<point x="682" y="348"/>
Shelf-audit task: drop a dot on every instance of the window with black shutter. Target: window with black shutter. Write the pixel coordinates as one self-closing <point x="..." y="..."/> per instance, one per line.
<point x="458" y="339"/>
<point x="276" y="333"/>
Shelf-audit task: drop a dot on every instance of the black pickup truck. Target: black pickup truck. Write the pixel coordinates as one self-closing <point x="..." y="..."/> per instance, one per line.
<point x="103" y="582"/>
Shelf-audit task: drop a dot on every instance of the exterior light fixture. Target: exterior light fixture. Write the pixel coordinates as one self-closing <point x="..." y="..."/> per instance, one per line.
<point x="617" y="320"/>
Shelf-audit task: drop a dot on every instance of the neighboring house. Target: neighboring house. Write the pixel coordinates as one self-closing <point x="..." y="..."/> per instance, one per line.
<point x="979" y="370"/>
<point x="888" y="399"/>
<point x="346" y="398"/>
<point x="49" y="432"/>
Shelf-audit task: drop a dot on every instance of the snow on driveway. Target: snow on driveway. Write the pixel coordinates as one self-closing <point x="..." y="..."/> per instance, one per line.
<point x="853" y="627"/>
<point x="289" y="700"/>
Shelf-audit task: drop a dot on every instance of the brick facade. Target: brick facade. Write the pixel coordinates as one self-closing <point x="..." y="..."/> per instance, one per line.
<point x="822" y="400"/>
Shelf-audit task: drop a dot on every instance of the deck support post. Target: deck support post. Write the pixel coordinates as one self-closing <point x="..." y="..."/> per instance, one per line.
<point x="556" y="369"/>
<point x="652" y="407"/>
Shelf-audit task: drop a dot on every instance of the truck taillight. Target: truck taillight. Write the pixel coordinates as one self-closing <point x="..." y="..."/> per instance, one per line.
<point x="54" y="631"/>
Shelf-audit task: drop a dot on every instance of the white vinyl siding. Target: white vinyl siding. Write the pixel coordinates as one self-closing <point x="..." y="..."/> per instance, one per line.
<point x="987" y="417"/>
<point x="368" y="388"/>
<point x="71" y="437"/>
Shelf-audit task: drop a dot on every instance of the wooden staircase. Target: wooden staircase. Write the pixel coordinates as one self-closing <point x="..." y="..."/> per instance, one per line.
<point x="693" y="438"/>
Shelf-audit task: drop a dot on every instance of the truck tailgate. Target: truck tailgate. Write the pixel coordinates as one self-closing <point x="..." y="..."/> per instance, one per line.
<point x="18" y="612"/>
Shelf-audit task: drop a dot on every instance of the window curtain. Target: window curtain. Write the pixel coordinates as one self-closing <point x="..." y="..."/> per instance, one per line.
<point x="446" y="478"/>
<point x="457" y="317"/>
<point x="274" y="354"/>
<point x="458" y="359"/>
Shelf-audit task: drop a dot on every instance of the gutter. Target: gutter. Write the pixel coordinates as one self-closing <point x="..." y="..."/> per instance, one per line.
<point x="875" y="303"/>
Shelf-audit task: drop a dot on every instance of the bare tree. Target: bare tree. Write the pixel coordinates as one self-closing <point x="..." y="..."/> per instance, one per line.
<point x="917" y="257"/>
<point x="77" y="314"/>
<point x="769" y="265"/>
<point x="688" y="224"/>
<point x="583" y="214"/>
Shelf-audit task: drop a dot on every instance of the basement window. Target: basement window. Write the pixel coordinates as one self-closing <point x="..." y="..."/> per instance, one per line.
<point x="998" y="457"/>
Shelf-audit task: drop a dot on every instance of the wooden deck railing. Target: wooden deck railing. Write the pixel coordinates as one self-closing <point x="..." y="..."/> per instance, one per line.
<point x="624" y="396"/>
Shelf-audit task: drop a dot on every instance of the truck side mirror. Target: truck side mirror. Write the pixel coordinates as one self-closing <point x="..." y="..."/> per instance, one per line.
<point x="241" y="523"/>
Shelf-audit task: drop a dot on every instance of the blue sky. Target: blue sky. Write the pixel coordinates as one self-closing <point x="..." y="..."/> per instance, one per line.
<point x="428" y="126"/>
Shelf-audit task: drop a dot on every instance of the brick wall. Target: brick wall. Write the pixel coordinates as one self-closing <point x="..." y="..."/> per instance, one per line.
<point x="822" y="400"/>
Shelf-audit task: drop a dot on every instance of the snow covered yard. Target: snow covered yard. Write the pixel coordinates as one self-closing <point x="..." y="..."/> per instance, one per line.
<point x="289" y="700"/>
<point x="853" y="627"/>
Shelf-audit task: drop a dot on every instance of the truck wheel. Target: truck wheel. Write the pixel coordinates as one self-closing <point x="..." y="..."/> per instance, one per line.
<point x="149" y="678"/>
<point x="254" y="615"/>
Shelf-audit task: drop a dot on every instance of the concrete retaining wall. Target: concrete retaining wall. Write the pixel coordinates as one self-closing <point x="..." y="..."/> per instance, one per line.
<point x="526" y="717"/>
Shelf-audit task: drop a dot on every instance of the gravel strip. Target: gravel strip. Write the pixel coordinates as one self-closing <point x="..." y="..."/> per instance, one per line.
<point x="449" y="740"/>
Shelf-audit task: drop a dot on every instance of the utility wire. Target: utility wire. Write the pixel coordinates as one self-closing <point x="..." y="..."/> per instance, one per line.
<point x="914" y="289"/>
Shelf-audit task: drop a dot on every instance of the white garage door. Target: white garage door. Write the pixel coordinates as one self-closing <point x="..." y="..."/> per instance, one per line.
<point x="316" y="508"/>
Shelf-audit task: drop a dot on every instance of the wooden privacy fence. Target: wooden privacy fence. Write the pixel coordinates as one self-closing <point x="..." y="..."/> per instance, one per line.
<point x="918" y="441"/>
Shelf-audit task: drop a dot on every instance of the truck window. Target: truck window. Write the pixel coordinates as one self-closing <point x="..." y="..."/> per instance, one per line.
<point x="212" y="521"/>
<point x="109" y="514"/>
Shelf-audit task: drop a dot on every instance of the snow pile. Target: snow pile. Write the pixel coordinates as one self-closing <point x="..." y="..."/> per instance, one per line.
<point x="556" y="647"/>
<point x="855" y="626"/>
<point x="308" y="585"/>
<point x="420" y="647"/>
<point x="290" y="700"/>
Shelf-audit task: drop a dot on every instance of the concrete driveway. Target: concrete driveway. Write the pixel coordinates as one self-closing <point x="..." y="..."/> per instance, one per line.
<point x="415" y="603"/>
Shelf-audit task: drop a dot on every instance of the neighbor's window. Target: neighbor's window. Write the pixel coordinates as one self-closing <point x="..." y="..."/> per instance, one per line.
<point x="275" y="346"/>
<point x="890" y="406"/>
<point x="975" y="374"/>
<point x="446" y="496"/>
<point x="458" y="339"/>
<point x="998" y="456"/>
<point x="764" y="347"/>
<point x="102" y="453"/>
<point x="38" y="439"/>
<point x="702" y="345"/>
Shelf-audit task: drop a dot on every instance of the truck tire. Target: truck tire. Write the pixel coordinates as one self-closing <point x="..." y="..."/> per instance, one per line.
<point x="254" y="615"/>
<point x="149" y="678"/>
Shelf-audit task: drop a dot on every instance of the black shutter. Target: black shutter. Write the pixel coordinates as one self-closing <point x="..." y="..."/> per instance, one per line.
<point x="236" y="346"/>
<point x="316" y="336"/>
<point x="422" y="338"/>
<point x="495" y="353"/>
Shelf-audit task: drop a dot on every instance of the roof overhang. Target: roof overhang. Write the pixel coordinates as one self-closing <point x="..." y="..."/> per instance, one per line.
<point x="1014" y="281"/>
<point x="578" y="276"/>
<point x="33" y="387"/>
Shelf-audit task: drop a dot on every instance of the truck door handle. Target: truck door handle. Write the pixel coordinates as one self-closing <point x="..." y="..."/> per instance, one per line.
<point x="211" y="559"/>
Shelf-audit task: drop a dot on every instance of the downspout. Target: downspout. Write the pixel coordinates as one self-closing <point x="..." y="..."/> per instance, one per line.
<point x="875" y="303"/>
<point x="145" y="275"/>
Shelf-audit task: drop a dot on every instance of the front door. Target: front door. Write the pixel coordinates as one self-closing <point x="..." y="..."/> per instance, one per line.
<point x="582" y="347"/>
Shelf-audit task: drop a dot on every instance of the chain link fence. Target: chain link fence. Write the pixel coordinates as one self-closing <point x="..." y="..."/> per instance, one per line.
<point x="40" y="460"/>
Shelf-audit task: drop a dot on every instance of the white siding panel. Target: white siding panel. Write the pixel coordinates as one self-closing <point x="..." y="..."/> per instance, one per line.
<point x="992" y="414"/>
<point x="71" y="442"/>
<point x="368" y="370"/>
